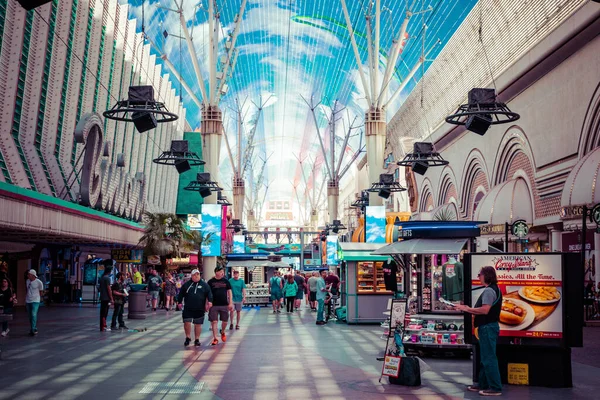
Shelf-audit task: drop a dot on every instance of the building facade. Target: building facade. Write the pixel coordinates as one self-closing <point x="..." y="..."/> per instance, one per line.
<point x="543" y="168"/>
<point x="59" y="63"/>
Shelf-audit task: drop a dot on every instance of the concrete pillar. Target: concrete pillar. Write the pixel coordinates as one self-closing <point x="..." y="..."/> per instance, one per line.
<point x="333" y="197"/>
<point x="555" y="240"/>
<point x="212" y="132"/>
<point x="375" y="130"/>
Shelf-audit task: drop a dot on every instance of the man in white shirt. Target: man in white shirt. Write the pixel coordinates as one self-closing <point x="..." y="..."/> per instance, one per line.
<point x="35" y="289"/>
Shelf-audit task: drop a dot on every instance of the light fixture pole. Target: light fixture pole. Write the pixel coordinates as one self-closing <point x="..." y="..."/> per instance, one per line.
<point x="377" y="94"/>
<point x="334" y="169"/>
<point x="211" y="126"/>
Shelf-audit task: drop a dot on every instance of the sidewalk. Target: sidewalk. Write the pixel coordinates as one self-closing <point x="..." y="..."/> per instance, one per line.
<point x="271" y="357"/>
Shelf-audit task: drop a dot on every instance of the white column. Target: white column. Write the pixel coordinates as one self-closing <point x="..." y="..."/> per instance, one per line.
<point x="239" y="196"/>
<point x="333" y="195"/>
<point x="212" y="130"/>
<point x="375" y="129"/>
<point x="555" y="240"/>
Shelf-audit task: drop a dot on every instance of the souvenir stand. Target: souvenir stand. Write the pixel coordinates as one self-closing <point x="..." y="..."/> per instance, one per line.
<point x="366" y="297"/>
<point x="257" y="290"/>
<point x="431" y="252"/>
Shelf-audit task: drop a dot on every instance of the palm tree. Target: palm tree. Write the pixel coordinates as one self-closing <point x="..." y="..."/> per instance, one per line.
<point x="444" y="214"/>
<point x="164" y="234"/>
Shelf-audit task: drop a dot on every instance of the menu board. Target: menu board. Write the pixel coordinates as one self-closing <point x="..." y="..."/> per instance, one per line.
<point x="532" y="290"/>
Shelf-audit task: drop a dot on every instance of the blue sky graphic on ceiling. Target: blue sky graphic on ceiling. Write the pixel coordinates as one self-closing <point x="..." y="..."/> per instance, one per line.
<point x="288" y="49"/>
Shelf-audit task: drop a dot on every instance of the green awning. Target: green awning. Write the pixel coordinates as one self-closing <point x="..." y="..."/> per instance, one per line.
<point x="362" y="256"/>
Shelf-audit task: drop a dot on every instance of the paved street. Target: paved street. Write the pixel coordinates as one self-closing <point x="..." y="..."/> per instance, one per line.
<point x="271" y="357"/>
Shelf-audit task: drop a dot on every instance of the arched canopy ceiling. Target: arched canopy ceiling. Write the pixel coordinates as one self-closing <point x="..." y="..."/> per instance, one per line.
<point x="289" y="49"/>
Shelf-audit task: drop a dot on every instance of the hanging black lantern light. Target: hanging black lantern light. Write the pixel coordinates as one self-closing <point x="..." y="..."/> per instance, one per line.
<point x="423" y="157"/>
<point x="362" y="201"/>
<point x="482" y="111"/>
<point x="179" y="156"/>
<point x="222" y="200"/>
<point x="336" y="226"/>
<point x="386" y="186"/>
<point x="141" y="109"/>
<point x="203" y="184"/>
<point x="236" y="225"/>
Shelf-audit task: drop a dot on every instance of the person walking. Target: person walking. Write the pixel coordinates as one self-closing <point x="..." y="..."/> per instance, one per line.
<point x="119" y="295"/>
<point x="154" y="283"/>
<point x="196" y="297"/>
<point x="147" y="276"/>
<point x="290" y="290"/>
<point x="300" y="294"/>
<point x="312" y="288"/>
<point x="8" y="299"/>
<point x="35" y="291"/>
<point x="170" y="291"/>
<point x="321" y="295"/>
<point x="306" y="291"/>
<point x="487" y="314"/>
<point x="137" y="276"/>
<point x="238" y="290"/>
<point x="275" y="290"/>
<point x="106" y="295"/>
<point x="222" y="304"/>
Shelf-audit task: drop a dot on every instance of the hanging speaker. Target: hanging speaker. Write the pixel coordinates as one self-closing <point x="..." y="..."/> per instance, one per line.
<point x="420" y="167"/>
<point x="179" y="146"/>
<point x="143" y="121"/>
<point x="31" y="4"/>
<point x="386" y="179"/>
<point x="384" y="193"/>
<point x="205" y="192"/>
<point x="479" y="123"/>
<point x="203" y="177"/>
<point x="182" y="166"/>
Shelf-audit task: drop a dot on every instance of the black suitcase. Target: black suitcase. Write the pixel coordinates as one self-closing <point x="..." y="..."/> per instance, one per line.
<point x="410" y="373"/>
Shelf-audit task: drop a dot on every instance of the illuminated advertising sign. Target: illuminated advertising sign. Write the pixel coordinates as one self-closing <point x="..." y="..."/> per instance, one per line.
<point x="375" y="230"/>
<point x="211" y="230"/>
<point x="332" y="250"/>
<point x="532" y="290"/>
<point x="239" y="244"/>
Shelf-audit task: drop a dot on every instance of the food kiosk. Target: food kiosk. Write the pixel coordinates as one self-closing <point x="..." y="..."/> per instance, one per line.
<point x="366" y="297"/>
<point x="251" y="270"/>
<point x="431" y="252"/>
<point x="541" y="317"/>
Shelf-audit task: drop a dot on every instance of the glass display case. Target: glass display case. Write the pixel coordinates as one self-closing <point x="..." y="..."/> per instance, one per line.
<point x="370" y="280"/>
<point x="441" y="277"/>
<point x="442" y="331"/>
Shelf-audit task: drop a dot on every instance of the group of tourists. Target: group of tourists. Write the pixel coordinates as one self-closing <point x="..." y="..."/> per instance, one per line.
<point x="319" y="288"/>
<point x="220" y="297"/>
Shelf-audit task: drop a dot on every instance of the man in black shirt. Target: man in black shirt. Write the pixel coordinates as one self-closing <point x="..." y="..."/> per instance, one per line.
<point x="196" y="296"/>
<point x="119" y="294"/>
<point x="222" y="303"/>
<point x="106" y="296"/>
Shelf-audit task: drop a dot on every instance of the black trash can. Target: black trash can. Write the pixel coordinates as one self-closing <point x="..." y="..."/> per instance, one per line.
<point x="137" y="302"/>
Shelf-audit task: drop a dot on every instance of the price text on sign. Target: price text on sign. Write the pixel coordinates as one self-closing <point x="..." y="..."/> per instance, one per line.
<point x="391" y="366"/>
